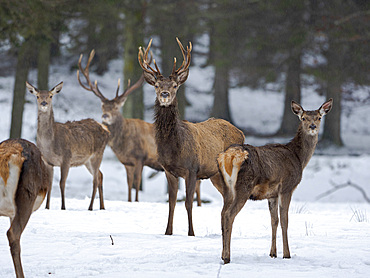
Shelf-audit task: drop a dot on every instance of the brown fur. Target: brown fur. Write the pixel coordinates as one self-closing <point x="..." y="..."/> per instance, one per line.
<point x="34" y="181"/>
<point x="69" y="144"/>
<point x="269" y="172"/>
<point x="185" y="149"/>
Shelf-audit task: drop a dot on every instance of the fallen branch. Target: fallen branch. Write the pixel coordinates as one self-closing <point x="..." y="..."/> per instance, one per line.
<point x="340" y="186"/>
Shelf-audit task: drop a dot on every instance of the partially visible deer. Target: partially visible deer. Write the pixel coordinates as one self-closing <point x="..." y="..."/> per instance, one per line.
<point x="24" y="181"/>
<point x="270" y="172"/>
<point x="132" y="140"/>
<point x="185" y="149"/>
<point x="69" y="144"/>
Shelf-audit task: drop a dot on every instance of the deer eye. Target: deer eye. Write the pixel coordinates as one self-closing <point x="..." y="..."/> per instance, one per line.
<point x="303" y="119"/>
<point x="319" y="118"/>
<point x="37" y="97"/>
<point x="174" y="86"/>
<point x="156" y="86"/>
<point x="51" y="96"/>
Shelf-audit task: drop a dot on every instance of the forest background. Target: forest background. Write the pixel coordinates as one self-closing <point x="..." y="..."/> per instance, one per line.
<point x="256" y="43"/>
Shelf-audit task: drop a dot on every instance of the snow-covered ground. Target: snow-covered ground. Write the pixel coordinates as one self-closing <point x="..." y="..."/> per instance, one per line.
<point x="329" y="233"/>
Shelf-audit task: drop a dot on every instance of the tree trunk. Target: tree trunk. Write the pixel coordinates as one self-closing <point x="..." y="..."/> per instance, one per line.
<point x="332" y="122"/>
<point x="134" y="37"/>
<point x="43" y="62"/>
<point x="23" y="65"/>
<point x="289" y="123"/>
<point x="220" y="107"/>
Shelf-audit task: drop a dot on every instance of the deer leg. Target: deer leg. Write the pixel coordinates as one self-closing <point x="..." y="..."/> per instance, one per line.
<point x="24" y="209"/>
<point x="137" y="177"/>
<point x="218" y="182"/>
<point x="50" y="169"/>
<point x="197" y="190"/>
<point x="173" y="185"/>
<point x="100" y="188"/>
<point x="190" y="183"/>
<point x="130" y="171"/>
<point x="232" y="206"/>
<point x="64" y="169"/>
<point x="93" y="167"/>
<point x="284" y="209"/>
<point x="273" y="207"/>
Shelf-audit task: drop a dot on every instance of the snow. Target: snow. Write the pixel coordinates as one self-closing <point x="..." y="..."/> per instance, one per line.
<point x="329" y="235"/>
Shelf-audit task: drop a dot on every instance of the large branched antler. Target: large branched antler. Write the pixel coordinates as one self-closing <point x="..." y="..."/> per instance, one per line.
<point x="92" y="87"/>
<point x="186" y="59"/>
<point x="145" y="64"/>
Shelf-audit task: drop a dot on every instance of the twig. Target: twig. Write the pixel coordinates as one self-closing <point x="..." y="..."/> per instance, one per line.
<point x="111" y="239"/>
<point x="340" y="186"/>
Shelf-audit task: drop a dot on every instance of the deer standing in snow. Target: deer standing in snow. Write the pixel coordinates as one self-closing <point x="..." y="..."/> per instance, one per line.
<point x="132" y="140"/>
<point x="69" y="144"/>
<point x="269" y="172"/>
<point x="24" y="181"/>
<point x="187" y="150"/>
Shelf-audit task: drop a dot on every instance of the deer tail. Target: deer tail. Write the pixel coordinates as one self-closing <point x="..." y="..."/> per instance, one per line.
<point x="229" y="163"/>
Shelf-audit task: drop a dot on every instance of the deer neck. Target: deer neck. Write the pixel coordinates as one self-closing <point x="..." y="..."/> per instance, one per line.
<point x="45" y="126"/>
<point x="117" y="131"/>
<point x="169" y="128"/>
<point x="303" y="145"/>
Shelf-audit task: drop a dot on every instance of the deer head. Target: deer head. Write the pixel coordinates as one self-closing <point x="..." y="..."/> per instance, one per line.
<point x="311" y="120"/>
<point x="44" y="97"/>
<point x="165" y="87"/>
<point x="110" y="108"/>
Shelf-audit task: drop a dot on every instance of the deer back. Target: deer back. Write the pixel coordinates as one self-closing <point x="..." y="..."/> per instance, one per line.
<point x="79" y="139"/>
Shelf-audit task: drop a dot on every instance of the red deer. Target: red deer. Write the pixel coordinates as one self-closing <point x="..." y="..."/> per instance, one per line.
<point x="132" y="140"/>
<point x="187" y="150"/>
<point x="69" y="144"/>
<point x="270" y="172"/>
<point x="24" y="181"/>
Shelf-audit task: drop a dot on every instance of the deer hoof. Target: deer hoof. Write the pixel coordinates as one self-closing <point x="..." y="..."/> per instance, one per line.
<point x="286" y="257"/>
<point x="273" y="255"/>
<point x="226" y="260"/>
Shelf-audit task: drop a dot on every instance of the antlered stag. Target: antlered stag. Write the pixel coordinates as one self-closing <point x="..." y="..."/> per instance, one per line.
<point x="185" y="149"/>
<point x="69" y="144"/>
<point x="132" y="140"/>
<point x="269" y="172"/>
<point x="24" y="181"/>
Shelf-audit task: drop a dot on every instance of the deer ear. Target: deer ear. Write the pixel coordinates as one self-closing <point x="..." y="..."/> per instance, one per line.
<point x="57" y="88"/>
<point x="149" y="78"/>
<point x="30" y="88"/>
<point x="326" y="107"/>
<point x="181" y="78"/>
<point x="297" y="109"/>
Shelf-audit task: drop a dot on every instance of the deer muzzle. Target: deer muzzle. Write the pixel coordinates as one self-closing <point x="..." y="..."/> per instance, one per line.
<point x="165" y="94"/>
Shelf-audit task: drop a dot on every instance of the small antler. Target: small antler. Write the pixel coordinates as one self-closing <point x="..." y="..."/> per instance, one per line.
<point x="186" y="58"/>
<point x="92" y="88"/>
<point x="145" y="64"/>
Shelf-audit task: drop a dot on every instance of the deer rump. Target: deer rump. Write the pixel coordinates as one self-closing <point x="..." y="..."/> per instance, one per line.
<point x="20" y="163"/>
<point x="259" y="170"/>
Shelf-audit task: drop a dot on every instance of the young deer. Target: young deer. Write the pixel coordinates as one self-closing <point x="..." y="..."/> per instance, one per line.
<point x="24" y="181"/>
<point x="269" y="172"/>
<point x="185" y="149"/>
<point x="69" y="144"/>
<point x="132" y="140"/>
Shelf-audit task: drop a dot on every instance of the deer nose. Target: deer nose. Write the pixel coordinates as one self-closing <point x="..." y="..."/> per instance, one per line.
<point x="312" y="126"/>
<point x="43" y="103"/>
<point x="165" y="94"/>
